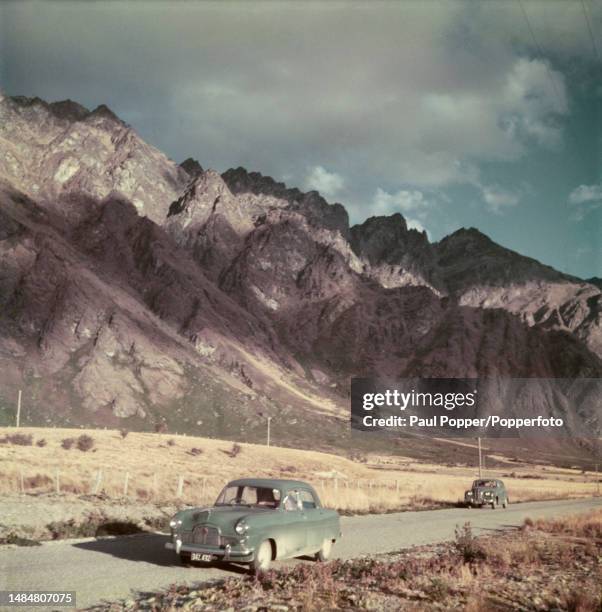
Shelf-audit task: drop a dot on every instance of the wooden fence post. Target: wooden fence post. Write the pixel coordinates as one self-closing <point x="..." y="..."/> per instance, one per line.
<point x="98" y="481"/>
<point x="125" y="484"/>
<point x="180" y="486"/>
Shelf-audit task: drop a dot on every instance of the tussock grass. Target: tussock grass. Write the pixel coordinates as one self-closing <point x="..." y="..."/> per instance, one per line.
<point x="587" y="525"/>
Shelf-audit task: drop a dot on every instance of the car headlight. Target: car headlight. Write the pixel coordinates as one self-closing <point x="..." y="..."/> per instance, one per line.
<point x="175" y="523"/>
<point x="468" y="494"/>
<point x="241" y="527"/>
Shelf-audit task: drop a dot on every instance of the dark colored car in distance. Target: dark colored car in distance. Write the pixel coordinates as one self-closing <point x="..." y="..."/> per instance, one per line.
<point x="256" y="521"/>
<point x="487" y="492"/>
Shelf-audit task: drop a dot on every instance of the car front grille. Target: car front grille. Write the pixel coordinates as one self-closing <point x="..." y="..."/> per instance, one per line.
<point x="208" y="536"/>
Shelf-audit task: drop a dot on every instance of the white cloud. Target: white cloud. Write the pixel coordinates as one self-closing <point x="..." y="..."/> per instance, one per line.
<point x="327" y="183"/>
<point x="585" y="194"/>
<point x="417" y="225"/>
<point x="404" y="200"/>
<point x="497" y="198"/>
<point x="584" y="199"/>
<point x="408" y="201"/>
<point x="534" y="97"/>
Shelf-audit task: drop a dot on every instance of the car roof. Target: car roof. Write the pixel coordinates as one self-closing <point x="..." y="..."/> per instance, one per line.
<point x="271" y="483"/>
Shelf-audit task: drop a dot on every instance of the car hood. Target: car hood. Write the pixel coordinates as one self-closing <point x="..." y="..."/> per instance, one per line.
<point x="219" y="516"/>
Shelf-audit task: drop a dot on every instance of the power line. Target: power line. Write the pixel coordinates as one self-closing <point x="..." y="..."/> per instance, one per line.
<point x="589" y="29"/>
<point x="561" y="101"/>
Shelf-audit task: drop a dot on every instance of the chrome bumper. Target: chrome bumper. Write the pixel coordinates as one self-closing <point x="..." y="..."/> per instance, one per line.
<point x="223" y="554"/>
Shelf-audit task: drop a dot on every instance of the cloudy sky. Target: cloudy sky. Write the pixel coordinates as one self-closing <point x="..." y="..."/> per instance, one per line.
<point x="482" y="114"/>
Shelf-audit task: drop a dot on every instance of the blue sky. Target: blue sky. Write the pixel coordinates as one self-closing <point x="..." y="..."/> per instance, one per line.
<point x="452" y="113"/>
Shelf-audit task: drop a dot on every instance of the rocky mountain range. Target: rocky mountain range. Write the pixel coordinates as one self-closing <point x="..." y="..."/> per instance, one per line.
<point x="135" y="290"/>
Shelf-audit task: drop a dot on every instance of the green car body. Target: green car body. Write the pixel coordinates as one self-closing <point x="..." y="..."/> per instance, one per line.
<point x="256" y="521"/>
<point x="487" y="492"/>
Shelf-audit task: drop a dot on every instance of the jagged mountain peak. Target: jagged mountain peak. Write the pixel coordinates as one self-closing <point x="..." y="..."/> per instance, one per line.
<point x="470" y="251"/>
<point x="240" y="180"/>
<point x="103" y="111"/>
<point x="192" y="167"/>
<point x="65" y="109"/>
<point x="312" y="205"/>
<point x="60" y="150"/>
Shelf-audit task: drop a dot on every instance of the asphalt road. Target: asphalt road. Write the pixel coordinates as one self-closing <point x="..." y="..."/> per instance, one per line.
<point x="108" y="569"/>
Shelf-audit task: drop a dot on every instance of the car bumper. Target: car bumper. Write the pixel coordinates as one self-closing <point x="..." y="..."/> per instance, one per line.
<point x="221" y="554"/>
<point x="478" y="503"/>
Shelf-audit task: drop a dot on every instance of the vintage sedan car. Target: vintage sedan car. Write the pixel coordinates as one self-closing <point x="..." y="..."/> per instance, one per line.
<point x="255" y="521"/>
<point x="487" y="492"/>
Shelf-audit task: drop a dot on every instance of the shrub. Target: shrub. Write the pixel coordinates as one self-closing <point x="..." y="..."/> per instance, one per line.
<point x="41" y="443"/>
<point x="124" y="433"/>
<point x="67" y="443"/>
<point x="467" y="545"/>
<point x="171" y="442"/>
<point x="235" y="450"/>
<point x="20" y="439"/>
<point x="195" y="451"/>
<point x="85" y="442"/>
<point x="38" y="481"/>
<point x="161" y="427"/>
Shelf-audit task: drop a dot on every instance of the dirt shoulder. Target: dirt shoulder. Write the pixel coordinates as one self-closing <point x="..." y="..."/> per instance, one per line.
<point x="545" y="565"/>
<point x="27" y="519"/>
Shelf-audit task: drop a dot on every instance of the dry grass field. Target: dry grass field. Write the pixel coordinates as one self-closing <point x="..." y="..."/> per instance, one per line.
<point x="166" y="468"/>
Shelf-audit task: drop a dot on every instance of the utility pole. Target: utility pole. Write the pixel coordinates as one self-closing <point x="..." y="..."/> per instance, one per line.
<point x="480" y="459"/>
<point x="269" y="419"/>
<point x="19" y="409"/>
<point x="597" y="460"/>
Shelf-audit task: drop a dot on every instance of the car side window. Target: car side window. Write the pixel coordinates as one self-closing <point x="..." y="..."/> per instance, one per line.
<point x="291" y="502"/>
<point x="308" y="501"/>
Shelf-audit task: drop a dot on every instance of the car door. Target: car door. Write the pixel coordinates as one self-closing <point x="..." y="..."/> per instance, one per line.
<point x="293" y="531"/>
<point x="315" y="519"/>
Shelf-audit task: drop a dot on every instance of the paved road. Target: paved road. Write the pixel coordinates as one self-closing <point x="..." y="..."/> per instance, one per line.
<point x="113" y="568"/>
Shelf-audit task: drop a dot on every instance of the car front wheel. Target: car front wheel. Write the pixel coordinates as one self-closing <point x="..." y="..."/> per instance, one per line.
<point x="263" y="558"/>
<point x="324" y="553"/>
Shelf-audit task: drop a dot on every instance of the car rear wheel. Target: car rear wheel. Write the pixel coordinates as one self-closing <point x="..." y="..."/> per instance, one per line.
<point x="324" y="553"/>
<point x="494" y="504"/>
<point x="505" y="504"/>
<point x="263" y="558"/>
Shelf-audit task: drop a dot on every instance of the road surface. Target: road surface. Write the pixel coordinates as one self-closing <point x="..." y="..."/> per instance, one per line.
<point x="115" y="568"/>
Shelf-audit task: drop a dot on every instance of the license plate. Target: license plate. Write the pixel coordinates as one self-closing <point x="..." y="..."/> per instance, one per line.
<point x="202" y="557"/>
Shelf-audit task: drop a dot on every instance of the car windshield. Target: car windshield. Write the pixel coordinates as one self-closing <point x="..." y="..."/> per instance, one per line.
<point x="488" y="484"/>
<point x="245" y="495"/>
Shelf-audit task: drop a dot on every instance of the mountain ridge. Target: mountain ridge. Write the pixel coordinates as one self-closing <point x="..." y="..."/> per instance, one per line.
<point x="232" y="294"/>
